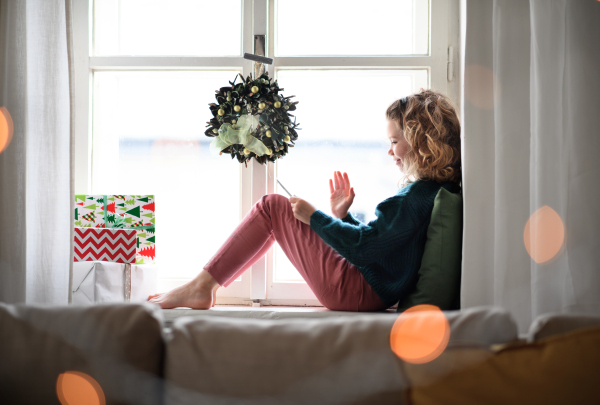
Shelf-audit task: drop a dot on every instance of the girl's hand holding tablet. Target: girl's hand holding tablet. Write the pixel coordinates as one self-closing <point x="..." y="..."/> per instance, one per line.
<point x="302" y="209"/>
<point x="342" y="195"/>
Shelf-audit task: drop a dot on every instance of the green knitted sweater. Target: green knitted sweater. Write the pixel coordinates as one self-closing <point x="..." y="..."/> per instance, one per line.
<point x="387" y="250"/>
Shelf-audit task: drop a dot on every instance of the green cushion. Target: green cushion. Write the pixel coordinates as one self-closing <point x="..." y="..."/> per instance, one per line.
<point x="439" y="275"/>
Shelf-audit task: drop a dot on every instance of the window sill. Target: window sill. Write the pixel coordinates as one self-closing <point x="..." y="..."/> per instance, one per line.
<point x="270" y="312"/>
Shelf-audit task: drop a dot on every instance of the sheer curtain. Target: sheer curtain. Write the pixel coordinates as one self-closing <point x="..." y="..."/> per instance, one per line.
<point x="35" y="169"/>
<point x="530" y="156"/>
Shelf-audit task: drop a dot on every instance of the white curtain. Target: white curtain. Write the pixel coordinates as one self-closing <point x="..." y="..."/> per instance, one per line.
<point x="531" y="122"/>
<point x="35" y="169"/>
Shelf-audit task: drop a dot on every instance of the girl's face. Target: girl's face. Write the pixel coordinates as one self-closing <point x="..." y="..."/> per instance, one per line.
<point x="398" y="145"/>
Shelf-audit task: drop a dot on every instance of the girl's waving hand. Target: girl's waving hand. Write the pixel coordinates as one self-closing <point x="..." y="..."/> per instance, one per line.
<point x="342" y="195"/>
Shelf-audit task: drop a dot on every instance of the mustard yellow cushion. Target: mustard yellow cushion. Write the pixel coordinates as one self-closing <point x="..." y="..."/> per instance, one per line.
<point x="563" y="369"/>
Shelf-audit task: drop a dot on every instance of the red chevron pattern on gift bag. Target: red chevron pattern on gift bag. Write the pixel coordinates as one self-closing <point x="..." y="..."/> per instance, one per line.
<point x="109" y="245"/>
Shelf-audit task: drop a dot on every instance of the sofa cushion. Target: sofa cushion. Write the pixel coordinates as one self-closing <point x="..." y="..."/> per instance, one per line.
<point x="555" y="324"/>
<point x="557" y="370"/>
<point x="326" y="360"/>
<point x="119" y="345"/>
<point x="439" y="275"/>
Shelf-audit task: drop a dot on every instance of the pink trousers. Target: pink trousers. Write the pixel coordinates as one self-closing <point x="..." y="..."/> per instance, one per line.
<point x="337" y="284"/>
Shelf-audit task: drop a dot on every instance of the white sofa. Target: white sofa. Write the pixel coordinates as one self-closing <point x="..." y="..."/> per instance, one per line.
<point x="220" y="357"/>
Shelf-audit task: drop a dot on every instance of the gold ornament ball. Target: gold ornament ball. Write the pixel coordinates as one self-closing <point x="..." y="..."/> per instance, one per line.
<point x="221" y="112"/>
<point x="237" y="108"/>
<point x="269" y="151"/>
<point x="261" y="105"/>
<point x="246" y="152"/>
<point x="286" y="139"/>
<point x="254" y="89"/>
<point x="229" y="98"/>
<point x="268" y="134"/>
<point x="277" y="104"/>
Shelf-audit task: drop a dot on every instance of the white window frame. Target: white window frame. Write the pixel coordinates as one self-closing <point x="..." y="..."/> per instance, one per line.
<point x="258" y="18"/>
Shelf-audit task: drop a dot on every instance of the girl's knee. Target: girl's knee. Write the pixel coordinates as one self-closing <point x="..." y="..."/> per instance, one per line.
<point x="274" y="204"/>
<point x="275" y="199"/>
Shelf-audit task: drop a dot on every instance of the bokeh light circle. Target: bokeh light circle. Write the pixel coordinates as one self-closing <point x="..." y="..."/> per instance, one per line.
<point x="6" y="128"/>
<point x="480" y="86"/>
<point x="76" y="388"/>
<point x="544" y="235"/>
<point x="420" y="334"/>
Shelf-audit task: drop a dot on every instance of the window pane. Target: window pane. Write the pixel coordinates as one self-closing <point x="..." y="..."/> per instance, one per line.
<point x="342" y="116"/>
<point x="350" y="27"/>
<point x="174" y="27"/>
<point x="148" y="138"/>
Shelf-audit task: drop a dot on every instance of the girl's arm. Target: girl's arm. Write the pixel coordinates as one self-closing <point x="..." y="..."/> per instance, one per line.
<point x="363" y="244"/>
<point x="349" y="219"/>
<point x="398" y="219"/>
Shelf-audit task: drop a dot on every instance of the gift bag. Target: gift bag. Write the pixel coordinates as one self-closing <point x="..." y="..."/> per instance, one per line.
<point x="97" y="282"/>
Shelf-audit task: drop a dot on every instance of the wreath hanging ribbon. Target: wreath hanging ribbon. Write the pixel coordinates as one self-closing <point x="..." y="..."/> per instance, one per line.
<point x="240" y="134"/>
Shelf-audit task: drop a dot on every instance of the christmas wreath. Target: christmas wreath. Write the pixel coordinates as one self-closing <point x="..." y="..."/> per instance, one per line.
<point x="252" y="120"/>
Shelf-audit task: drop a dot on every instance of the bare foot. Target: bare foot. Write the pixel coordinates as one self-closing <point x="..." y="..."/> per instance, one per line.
<point x="196" y="294"/>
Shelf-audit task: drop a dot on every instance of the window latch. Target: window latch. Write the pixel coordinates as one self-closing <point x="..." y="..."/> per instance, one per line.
<point x="450" y="72"/>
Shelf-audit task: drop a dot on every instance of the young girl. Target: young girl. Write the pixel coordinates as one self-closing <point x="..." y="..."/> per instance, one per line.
<point x="350" y="266"/>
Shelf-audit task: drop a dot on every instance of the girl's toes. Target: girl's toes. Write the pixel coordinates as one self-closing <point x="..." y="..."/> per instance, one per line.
<point x="154" y="298"/>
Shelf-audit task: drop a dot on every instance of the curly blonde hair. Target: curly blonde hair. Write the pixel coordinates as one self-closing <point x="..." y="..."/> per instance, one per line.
<point x="431" y="127"/>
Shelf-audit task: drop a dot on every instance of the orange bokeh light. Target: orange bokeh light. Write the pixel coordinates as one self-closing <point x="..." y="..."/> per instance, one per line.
<point x="74" y="388"/>
<point x="544" y="235"/>
<point x="480" y="85"/>
<point x="420" y="334"/>
<point x="6" y="128"/>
